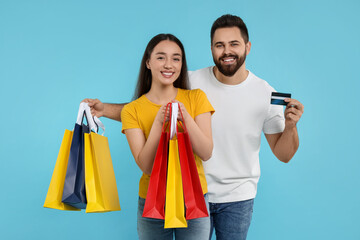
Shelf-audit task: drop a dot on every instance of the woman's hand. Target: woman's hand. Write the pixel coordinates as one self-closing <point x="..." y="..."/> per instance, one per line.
<point x="160" y="116"/>
<point x="184" y="115"/>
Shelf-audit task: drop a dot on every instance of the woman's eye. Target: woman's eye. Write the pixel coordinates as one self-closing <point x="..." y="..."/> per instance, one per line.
<point x="177" y="59"/>
<point x="160" y="58"/>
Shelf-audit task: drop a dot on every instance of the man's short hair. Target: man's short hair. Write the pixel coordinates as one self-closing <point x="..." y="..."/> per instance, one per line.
<point x="229" y="20"/>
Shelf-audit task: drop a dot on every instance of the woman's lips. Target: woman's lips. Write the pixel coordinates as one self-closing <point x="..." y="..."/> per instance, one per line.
<point x="167" y="74"/>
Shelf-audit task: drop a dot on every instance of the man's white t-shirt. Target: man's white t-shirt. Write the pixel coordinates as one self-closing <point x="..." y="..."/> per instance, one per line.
<point x="242" y="112"/>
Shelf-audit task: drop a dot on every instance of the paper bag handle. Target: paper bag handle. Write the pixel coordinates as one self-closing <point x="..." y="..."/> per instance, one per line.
<point x="93" y="121"/>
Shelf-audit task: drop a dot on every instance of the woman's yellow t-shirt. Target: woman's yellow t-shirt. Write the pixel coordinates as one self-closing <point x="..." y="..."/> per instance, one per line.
<point x="141" y="114"/>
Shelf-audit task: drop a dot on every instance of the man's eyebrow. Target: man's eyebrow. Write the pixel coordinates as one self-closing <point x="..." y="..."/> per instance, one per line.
<point x="233" y="41"/>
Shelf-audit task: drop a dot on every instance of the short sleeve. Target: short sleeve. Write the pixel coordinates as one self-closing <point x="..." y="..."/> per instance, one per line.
<point x="275" y="121"/>
<point x="201" y="102"/>
<point x="129" y="117"/>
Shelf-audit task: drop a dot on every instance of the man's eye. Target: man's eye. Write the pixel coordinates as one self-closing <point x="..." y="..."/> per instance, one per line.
<point x="234" y="44"/>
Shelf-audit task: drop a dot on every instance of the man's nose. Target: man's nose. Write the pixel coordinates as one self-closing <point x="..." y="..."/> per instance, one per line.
<point x="227" y="49"/>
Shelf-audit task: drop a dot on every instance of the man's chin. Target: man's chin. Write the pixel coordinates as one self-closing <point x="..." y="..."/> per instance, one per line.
<point x="228" y="72"/>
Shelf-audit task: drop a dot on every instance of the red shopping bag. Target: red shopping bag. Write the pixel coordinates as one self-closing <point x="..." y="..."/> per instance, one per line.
<point x="155" y="198"/>
<point x="193" y="193"/>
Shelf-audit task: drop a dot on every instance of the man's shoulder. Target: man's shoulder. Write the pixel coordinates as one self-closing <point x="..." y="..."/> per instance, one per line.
<point x="259" y="81"/>
<point x="200" y="72"/>
<point x="200" y="78"/>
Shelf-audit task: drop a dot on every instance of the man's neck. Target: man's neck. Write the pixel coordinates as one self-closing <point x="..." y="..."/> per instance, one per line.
<point x="237" y="78"/>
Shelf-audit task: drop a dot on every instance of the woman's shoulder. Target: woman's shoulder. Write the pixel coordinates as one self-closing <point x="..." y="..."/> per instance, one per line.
<point x="197" y="101"/>
<point x="136" y="102"/>
<point x="194" y="97"/>
<point x="193" y="92"/>
<point x="133" y="106"/>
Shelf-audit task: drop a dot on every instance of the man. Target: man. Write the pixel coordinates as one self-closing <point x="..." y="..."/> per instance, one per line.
<point x="243" y="110"/>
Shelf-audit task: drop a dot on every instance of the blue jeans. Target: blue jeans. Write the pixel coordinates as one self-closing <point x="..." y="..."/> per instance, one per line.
<point x="149" y="228"/>
<point x="231" y="220"/>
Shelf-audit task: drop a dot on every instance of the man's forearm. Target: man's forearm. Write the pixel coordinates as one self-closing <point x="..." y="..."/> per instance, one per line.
<point x="287" y="145"/>
<point x="113" y="110"/>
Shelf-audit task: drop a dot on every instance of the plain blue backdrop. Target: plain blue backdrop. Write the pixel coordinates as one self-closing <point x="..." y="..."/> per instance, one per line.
<point x="55" y="53"/>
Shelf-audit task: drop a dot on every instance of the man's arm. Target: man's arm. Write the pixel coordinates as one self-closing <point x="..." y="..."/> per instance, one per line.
<point x="284" y="145"/>
<point x="108" y="110"/>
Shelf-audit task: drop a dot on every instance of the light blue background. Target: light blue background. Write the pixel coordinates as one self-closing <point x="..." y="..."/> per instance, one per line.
<point x="55" y="53"/>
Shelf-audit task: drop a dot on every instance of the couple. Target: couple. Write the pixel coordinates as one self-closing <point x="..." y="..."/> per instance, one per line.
<point x="226" y="145"/>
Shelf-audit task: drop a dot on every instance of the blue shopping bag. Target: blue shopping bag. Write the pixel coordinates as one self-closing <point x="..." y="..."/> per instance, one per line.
<point x="74" y="186"/>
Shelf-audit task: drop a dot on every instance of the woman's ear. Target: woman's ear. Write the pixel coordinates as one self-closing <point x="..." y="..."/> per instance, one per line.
<point x="147" y="64"/>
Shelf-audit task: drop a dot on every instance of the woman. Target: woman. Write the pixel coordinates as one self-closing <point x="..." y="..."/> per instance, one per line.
<point x="163" y="79"/>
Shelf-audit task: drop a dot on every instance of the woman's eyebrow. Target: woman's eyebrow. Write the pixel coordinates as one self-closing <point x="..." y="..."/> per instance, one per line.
<point x="163" y="53"/>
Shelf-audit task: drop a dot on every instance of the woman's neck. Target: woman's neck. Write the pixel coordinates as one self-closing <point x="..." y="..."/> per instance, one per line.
<point x="161" y="94"/>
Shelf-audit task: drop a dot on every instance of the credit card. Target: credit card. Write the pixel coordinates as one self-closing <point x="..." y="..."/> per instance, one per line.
<point x="277" y="98"/>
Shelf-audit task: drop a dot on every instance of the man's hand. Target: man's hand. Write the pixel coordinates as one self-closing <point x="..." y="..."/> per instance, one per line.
<point x="294" y="110"/>
<point x="96" y="106"/>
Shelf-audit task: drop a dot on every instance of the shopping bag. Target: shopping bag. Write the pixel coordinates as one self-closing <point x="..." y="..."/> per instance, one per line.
<point x="193" y="193"/>
<point x="74" y="186"/>
<point x="155" y="197"/>
<point x="101" y="190"/>
<point x="55" y="191"/>
<point x="174" y="203"/>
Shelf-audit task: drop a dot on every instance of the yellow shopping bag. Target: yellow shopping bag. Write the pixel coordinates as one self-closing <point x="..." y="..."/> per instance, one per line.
<point x="174" y="205"/>
<point x="55" y="192"/>
<point x="100" y="182"/>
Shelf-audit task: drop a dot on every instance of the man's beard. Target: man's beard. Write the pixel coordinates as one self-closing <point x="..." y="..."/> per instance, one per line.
<point x="230" y="70"/>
